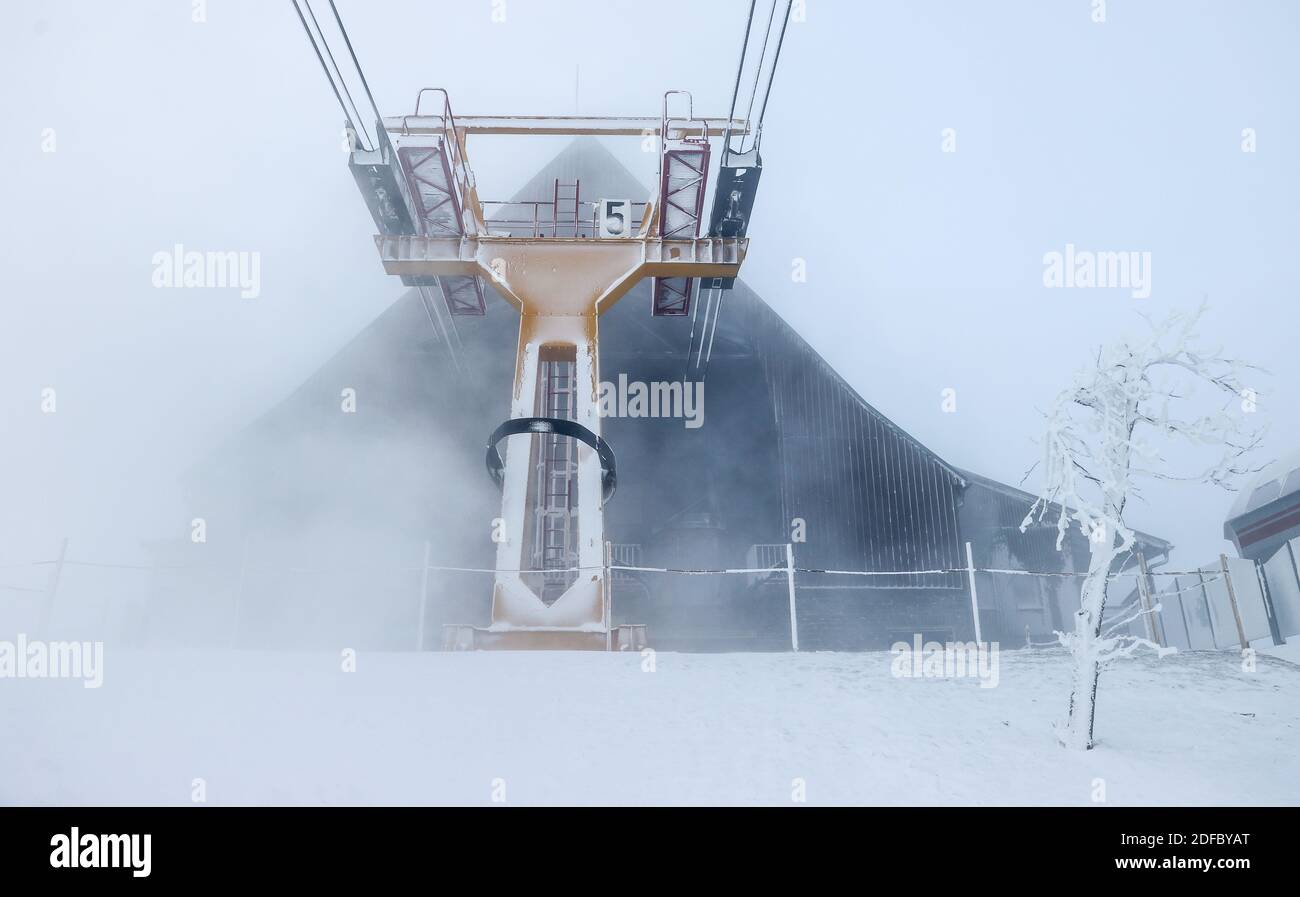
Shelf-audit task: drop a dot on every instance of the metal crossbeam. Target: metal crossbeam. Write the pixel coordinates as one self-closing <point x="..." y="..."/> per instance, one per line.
<point x="565" y="125"/>
<point x="705" y="256"/>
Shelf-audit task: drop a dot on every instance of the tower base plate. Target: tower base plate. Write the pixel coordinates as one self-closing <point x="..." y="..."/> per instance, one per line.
<point x="460" y="637"/>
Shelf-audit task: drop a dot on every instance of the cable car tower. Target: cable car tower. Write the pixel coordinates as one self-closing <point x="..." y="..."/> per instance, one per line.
<point x="561" y="267"/>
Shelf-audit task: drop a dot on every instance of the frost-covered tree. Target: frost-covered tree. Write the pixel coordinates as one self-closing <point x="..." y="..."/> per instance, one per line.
<point x="1104" y="434"/>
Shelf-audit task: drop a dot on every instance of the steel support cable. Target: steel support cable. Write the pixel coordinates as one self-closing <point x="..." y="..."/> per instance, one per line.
<point x="695" y="313"/>
<point x="708" y="308"/>
<point x="756" y="128"/>
<point x="362" y="74"/>
<point x="776" y="58"/>
<point x="321" y="59"/>
<point x="440" y="326"/>
<point x="708" y="356"/>
<point x="740" y="71"/>
<point x="758" y="69"/>
<point x="707" y="335"/>
<point x="355" y="119"/>
<point x="354" y="116"/>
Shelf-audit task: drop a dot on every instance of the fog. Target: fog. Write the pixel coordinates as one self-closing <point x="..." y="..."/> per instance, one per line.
<point x="924" y="267"/>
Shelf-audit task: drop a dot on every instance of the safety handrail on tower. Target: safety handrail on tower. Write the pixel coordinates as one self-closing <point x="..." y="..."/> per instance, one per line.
<point x="452" y="138"/>
<point x="441" y="195"/>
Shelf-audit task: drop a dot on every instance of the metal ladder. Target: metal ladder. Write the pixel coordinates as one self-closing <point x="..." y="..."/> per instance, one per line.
<point x="565" y="219"/>
<point x="557" y="470"/>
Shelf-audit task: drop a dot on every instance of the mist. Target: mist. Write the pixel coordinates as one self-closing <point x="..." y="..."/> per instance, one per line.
<point x="924" y="267"/>
<point x="260" y="460"/>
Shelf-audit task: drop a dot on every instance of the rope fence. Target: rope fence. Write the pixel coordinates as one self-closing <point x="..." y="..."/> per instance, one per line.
<point x="1185" y="601"/>
<point x="685" y="571"/>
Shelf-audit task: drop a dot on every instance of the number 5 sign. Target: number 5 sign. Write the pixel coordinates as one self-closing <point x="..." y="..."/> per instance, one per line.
<point x="614" y="218"/>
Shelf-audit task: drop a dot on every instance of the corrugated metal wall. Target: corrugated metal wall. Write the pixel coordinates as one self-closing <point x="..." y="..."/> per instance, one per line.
<point x="873" y="498"/>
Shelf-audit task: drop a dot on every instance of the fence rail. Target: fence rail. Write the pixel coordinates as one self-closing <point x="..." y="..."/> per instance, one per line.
<point x="1218" y="606"/>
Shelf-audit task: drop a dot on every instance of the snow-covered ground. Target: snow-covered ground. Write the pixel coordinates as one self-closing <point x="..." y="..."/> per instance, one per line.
<point x="1289" y="651"/>
<point x="583" y="728"/>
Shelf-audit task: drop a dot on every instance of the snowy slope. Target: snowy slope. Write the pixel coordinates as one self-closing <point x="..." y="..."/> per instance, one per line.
<point x="594" y="728"/>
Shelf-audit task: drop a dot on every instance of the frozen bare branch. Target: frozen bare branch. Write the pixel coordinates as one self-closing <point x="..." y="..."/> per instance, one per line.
<point x="1101" y="440"/>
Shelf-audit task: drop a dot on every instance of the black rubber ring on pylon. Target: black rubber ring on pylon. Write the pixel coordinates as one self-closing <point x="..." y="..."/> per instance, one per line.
<point x="560" y="427"/>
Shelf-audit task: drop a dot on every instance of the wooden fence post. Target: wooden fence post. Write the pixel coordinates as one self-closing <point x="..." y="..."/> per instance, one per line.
<point x="1209" y="614"/>
<point x="1144" y="593"/>
<point x="1232" y="599"/>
